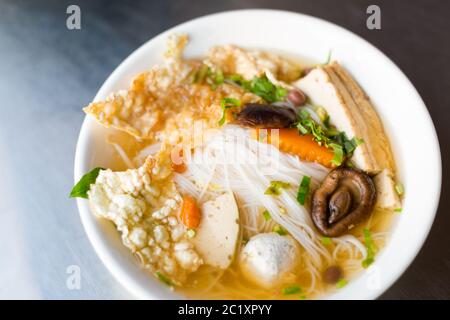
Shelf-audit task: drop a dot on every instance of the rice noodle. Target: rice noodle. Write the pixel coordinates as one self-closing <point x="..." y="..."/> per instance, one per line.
<point x="123" y="156"/>
<point x="235" y="161"/>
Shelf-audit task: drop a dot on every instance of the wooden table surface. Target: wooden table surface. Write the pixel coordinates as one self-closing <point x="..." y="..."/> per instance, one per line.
<point x="47" y="73"/>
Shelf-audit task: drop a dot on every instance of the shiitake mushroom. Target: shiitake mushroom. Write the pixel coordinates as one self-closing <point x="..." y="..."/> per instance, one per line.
<point x="345" y="198"/>
<point x="257" y="115"/>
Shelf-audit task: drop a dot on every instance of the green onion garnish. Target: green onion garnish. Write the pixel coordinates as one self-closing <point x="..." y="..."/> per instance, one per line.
<point x="227" y="103"/>
<point x="303" y="190"/>
<point x="326" y="241"/>
<point x="163" y="279"/>
<point x="338" y="154"/>
<point x="292" y="290"/>
<point x="275" y="187"/>
<point x="266" y="215"/>
<point x="328" y="136"/>
<point x="341" y="283"/>
<point x="371" y="249"/>
<point x="280" y="230"/>
<point x="398" y="210"/>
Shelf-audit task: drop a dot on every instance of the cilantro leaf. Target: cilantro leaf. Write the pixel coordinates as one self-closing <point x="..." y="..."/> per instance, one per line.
<point x="81" y="189"/>
<point x="261" y="86"/>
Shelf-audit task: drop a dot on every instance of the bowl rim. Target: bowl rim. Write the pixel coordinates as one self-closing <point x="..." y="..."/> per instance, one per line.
<point x="80" y="164"/>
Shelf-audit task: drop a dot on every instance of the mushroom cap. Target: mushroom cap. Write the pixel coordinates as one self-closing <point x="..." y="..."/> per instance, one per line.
<point x="268" y="259"/>
<point x="335" y="188"/>
<point x="257" y="115"/>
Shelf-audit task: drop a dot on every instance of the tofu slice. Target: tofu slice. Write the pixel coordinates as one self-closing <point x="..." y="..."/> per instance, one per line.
<point x="218" y="232"/>
<point x="387" y="197"/>
<point x="351" y="111"/>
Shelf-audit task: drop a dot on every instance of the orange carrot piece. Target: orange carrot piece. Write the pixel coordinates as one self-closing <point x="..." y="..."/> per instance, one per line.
<point x="178" y="166"/>
<point x="190" y="212"/>
<point x="304" y="146"/>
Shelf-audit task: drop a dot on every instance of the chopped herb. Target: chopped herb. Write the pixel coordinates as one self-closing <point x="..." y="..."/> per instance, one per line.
<point x="292" y="290"/>
<point x="266" y="215"/>
<point x="303" y="190"/>
<point x="261" y="86"/>
<point x="201" y="74"/>
<point x="236" y="78"/>
<point x="327" y="135"/>
<point x="349" y="164"/>
<point x="398" y="210"/>
<point x="338" y="157"/>
<point x="302" y="297"/>
<point x="326" y="241"/>
<point x="323" y="115"/>
<point x="163" y="279"/>
<point x="275" y="187"/>
<point x="218" y="77"/>
<point x="280" y="93"/>
<point x="227" y="103"/>
<point x="280" y="230"/>
<point x="371" y="249"/>
<point x="206" y="74"/>
<point x="190" y="233"/>
<point x="81" y="189"/>
<point x="399" y="188"/>
<point x="341" y="283"/>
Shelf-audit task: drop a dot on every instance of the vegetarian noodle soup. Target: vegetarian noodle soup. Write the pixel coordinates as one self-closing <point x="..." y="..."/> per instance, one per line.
<point x="245" y="175"/>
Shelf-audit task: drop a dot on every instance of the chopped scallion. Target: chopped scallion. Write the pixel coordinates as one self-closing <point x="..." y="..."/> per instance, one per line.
<point x="266" y="215"/>
<point x="275" y="187"/>
<point x="371" y="249"/>
<point x="326" y="241"/>
<point x="303" y="190"/>
<point x="227" y="103"/>
<point x="338" y="154"/>
<point x="163" y="279"/>
<point x="292" y="290"/>
<point x="341" y="283"/>
<point x="280" y="230"/>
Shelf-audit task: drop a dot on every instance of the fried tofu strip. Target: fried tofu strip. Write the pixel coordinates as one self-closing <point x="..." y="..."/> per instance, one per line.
<point x="351" y="111"/>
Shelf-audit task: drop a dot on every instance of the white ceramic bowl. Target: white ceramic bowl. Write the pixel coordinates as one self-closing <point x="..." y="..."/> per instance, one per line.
<point x="403" y="112"/>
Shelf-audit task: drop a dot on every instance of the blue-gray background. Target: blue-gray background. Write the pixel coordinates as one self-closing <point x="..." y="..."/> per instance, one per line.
<point x="48" y="73"/>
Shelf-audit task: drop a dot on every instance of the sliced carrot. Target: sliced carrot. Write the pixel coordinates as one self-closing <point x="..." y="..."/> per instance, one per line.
<point x="190" y="212"/>
<point x="304" y="146"/>
<point x="178" y="166"/>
